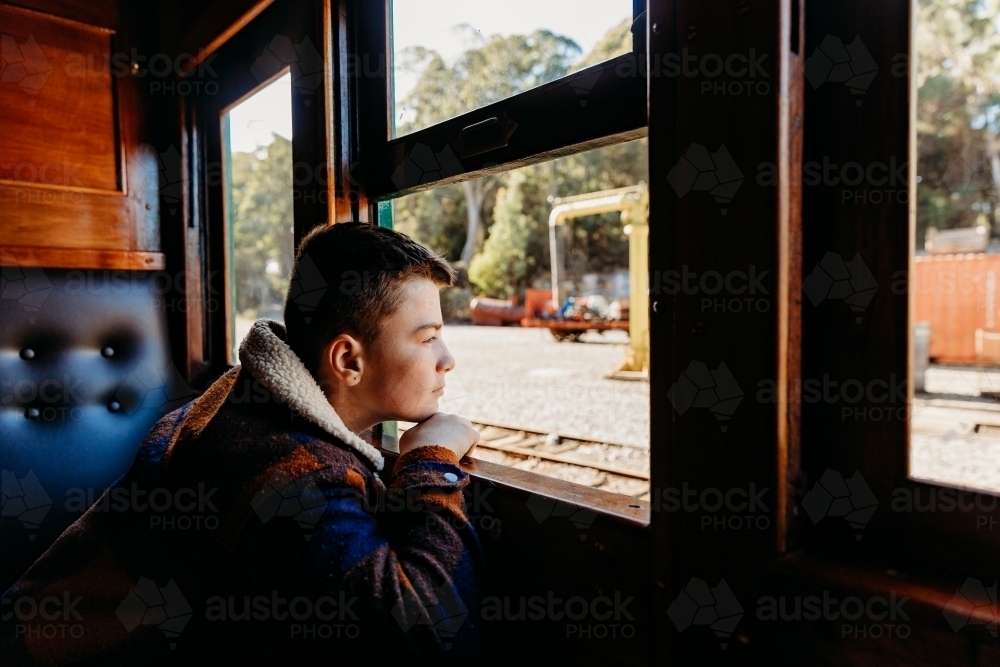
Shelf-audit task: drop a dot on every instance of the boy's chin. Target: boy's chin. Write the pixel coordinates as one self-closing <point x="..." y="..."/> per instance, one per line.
<point x="420" y="414"/>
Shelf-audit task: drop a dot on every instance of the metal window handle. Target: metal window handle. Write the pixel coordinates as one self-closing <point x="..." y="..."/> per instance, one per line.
<point x="486" y="135"/>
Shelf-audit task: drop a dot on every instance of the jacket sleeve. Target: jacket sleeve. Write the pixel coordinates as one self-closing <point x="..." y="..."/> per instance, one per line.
<point x="402" y="565"/>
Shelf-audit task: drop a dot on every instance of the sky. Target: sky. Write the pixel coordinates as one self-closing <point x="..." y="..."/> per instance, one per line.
<point x="269" y="110"/>
<point x="432" y="23"/>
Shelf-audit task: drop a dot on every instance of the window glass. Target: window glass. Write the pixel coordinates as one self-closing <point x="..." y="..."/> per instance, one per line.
<point x="453" y="56"/>
<point x="554" y="387"/>
<point x="258" y="153"/>
<point x="956" y="334"/>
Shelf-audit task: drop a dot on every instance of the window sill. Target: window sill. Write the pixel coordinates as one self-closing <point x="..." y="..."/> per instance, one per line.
<point x="929" y="595"/>
<point x="619" y="508"/>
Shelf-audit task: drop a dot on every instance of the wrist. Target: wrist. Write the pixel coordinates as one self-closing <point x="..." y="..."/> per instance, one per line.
<point x="426" y="452"/>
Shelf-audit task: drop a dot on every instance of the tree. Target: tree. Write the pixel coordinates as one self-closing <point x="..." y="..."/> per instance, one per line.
<point x="263" y="239"/>
<point x="958" y="74"/>
<point x="615" y="42"/>
<point x="519" y="256"/>
<point x="501" y="269"/>
<point x="494" y="69"/>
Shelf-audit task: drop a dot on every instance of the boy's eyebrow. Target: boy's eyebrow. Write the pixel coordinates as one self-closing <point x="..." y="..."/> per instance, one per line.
<point x="428" y="325"/>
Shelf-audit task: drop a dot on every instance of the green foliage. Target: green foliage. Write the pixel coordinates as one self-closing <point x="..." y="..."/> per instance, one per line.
<point x="435" y="218"/>
<point x="616" y="41"/>
<point x="518" y="256"/>
<point x="496" y="69"/>
<point x="958" y="101"/>
<point x="263" y="240"/>
<point x="501" y="269"/>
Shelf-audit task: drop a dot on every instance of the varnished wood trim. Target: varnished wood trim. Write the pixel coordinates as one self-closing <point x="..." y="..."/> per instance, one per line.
<point x="610" y="505"/>
<point x="928" y="596"/>
<point x="77" y="258"/>
<point x="210" y="33"/>
<point x="61" y="188"/>
<point x="79" y="25"/>
<point x="789" y="253"/>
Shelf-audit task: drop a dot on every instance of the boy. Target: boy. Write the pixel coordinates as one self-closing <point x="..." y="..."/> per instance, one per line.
<point x="253" y="524"/>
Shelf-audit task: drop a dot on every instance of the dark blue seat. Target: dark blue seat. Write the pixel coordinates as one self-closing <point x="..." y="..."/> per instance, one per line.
<point x="85" y="371"/>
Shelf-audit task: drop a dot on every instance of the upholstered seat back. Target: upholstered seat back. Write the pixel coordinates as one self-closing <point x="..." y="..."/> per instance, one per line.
<point x="85" y="370"/>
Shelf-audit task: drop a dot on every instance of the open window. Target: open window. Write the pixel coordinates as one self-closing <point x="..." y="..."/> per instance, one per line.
<point x="955" y="372"/>
<point x="509" y="139"/>
<point x="258" y="172"/>
<point x="905" y="412"/>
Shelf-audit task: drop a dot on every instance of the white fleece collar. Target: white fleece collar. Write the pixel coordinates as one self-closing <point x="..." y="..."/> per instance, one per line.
<point x="269" y="359"/>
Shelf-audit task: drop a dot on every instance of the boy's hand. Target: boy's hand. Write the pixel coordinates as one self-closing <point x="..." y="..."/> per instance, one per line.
<point x="441" y="428"/>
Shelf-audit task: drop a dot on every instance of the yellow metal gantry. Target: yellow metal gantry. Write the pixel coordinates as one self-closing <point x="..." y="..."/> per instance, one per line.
<point x="633" y="203"/>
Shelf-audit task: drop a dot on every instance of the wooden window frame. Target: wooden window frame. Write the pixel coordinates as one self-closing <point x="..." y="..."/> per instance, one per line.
<point x="329" y="129"/>
<point x="238" y="73"/>
<point x="877" y="348"/>
<point x="550" y="121"/>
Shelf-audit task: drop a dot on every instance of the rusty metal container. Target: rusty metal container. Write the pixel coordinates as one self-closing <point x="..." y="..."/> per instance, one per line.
<point x="495" y="312"/>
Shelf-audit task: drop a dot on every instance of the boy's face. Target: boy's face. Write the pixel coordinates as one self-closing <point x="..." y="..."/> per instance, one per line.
<point x="406" y="370"/>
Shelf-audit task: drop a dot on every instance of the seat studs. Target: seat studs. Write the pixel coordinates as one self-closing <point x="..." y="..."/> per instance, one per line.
<point x="108" y="352"/>
<point x="114" y="406"/>
<point x="27" y="353"/>
<point x="32" y="413"/>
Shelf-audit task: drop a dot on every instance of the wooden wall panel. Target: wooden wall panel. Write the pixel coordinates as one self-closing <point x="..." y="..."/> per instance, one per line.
<point x="78" y="169"/>
<point x="57" y="104"/>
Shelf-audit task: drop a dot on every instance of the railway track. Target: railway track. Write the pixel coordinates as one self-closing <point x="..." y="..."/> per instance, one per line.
<point x="610" y="467"/>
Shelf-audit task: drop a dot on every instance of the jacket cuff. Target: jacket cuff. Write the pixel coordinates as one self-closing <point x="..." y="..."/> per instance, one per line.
<point x="429" y="466"/>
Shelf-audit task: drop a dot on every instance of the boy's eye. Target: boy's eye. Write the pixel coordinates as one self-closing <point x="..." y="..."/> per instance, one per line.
<point x="430" y="339"/>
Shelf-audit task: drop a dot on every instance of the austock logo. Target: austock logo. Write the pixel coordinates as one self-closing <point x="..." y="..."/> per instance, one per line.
<point x="699" y="387"/>
<point x="303" y="59"/>
<point x="307" y="287"/>
<point x="701" y="171"/>
<point x="442" y="609"/>
<point x="973" y="604"/>
<point x="24" y="499"/>
<point x="149" y="387"/>
<point x="860" y="618"/>
<point x="305" y="617"/>
<point x="584" y="83"/>
<point x="48" y="617"/>
<point x="286" y="496"/>
<point x="851" y="282"/>
<point x="149" y="604"/>
<point x="835" y="62"/>
<point x="28" y="285"/>
<point x="600" y="617"/>
<point x="423" y="165"/>
<point x="834" y="496"/>
<point x="543" y="508"/>
<point x="23" y="64"/>
<point x="700" y="604"/>
<point x="170" y="178"/>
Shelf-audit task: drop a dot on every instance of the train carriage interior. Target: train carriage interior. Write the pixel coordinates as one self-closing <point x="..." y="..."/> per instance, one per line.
<point x="724" y="314"/>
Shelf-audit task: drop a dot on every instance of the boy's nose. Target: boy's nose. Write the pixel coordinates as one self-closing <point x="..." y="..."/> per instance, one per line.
<point x="447" y="361"/>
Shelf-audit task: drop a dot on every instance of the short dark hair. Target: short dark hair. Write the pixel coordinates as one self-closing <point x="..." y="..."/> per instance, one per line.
<point x="347" y="279"/>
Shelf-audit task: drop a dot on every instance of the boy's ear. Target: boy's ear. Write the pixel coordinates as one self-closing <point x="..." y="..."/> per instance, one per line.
<point x="343" y="359"/>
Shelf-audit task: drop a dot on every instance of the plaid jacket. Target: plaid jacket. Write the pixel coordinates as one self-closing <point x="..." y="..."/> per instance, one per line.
<point x="253" y="526"/>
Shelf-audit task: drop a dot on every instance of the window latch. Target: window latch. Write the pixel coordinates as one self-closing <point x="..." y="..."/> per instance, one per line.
<point x="484" y="136"/>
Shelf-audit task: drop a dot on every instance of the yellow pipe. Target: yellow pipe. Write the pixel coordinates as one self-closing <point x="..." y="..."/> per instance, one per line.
<point x="633" y="202"/>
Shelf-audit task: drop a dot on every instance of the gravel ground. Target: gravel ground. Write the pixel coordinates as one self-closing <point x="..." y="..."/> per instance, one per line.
<point x="946" y="445"/>
<point x="523" y="378"/>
